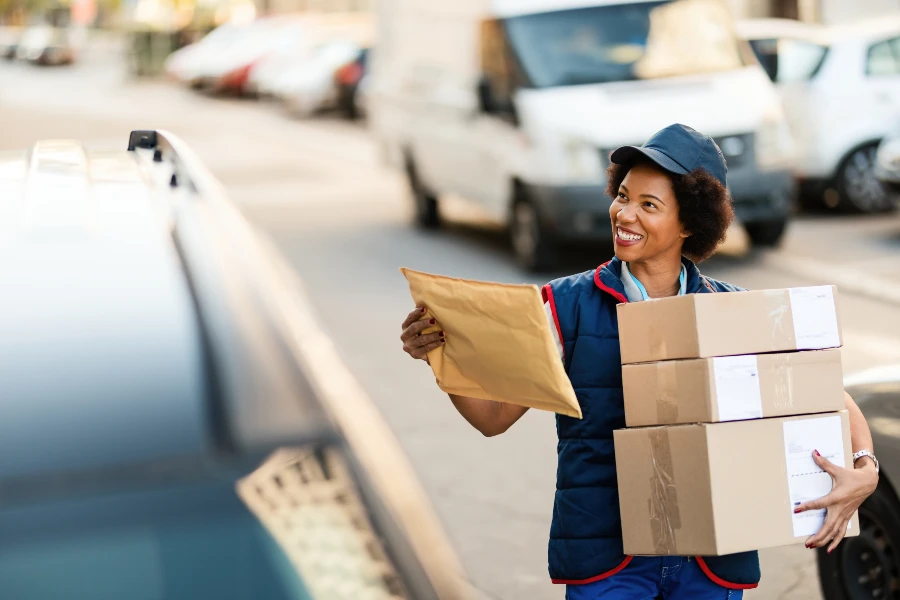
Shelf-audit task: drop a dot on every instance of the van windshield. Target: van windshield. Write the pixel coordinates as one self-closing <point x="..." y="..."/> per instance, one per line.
<point x="624" y="42"/>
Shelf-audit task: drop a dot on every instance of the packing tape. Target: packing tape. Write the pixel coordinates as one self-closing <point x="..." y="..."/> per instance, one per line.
<point x="658" y="342"/>
<point x="665" y="517"/>
<point x="667" y="400"/>
<point x="784" y="382"/>
<point x="778" y="307"/>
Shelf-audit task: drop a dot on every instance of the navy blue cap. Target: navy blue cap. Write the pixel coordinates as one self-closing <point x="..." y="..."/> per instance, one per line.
<point x="677" y="149"/>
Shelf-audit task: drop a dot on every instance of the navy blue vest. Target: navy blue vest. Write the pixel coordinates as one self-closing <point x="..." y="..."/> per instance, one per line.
<point x="586" y="533"/>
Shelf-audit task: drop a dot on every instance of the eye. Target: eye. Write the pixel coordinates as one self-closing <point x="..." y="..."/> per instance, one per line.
<point x="621" y="196"/>
<point x="649" y="204"/>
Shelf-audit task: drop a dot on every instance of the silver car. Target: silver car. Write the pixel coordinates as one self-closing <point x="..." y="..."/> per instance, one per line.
<point x="175" y="424"/>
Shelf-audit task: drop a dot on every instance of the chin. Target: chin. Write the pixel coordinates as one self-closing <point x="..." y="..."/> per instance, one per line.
<point x="626" y="254"/>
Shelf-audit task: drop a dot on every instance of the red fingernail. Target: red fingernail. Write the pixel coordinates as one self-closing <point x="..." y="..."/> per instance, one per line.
<point x="829" y="550"/>
<point x="432" y="321"/>
<point x="817" y="453"/>
<point x="442" y="334"/>
<point x="796" y="510"/>
<point x="423" y="309"/>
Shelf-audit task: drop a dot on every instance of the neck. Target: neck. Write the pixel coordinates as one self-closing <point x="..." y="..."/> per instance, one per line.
<point x="659" y="277"/>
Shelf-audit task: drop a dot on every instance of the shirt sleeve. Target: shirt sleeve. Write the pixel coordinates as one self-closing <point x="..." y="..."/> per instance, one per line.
<point x="553" y="330"/>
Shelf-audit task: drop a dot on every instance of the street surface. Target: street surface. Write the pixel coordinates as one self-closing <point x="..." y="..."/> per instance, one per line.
<point x="342" y="220"/>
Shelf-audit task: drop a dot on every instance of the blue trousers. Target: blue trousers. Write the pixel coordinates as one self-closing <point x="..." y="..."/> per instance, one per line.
<point x="652" y="578"/>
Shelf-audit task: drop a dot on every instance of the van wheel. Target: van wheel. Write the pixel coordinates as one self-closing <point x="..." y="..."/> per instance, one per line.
<point x="426" y="204"/>
<point x="534" y="246"/>
<point x="868" y="565"/>
<point x="766" y="233"/>
<point x="860" y="190"/>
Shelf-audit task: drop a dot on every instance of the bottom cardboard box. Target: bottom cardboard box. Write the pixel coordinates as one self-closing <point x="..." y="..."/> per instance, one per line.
<point x="717" y="488"/>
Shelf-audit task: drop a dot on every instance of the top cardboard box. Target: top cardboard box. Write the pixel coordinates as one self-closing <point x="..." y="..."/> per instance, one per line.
<point x="727" y="324"/>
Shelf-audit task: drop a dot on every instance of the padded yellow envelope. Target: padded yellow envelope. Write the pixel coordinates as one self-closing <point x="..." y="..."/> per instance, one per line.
<point x="499" y="345"/>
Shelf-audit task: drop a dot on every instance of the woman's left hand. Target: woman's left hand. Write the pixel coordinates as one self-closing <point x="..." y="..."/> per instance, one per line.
<point x="851" y="487"/>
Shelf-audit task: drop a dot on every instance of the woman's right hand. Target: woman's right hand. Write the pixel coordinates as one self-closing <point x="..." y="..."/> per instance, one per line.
<point x="415" y="343"/>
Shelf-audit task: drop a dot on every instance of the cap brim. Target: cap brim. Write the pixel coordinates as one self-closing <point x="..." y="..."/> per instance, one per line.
<point x="627" y="154"/>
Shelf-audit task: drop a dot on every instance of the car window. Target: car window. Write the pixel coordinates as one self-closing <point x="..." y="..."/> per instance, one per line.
<point x="798" y="60"/>
<point x="182" y="544"/>
<point x="883" y="58"/>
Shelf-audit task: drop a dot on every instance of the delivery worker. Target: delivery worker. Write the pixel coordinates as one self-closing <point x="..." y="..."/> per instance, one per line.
<point x="669" y="207"/>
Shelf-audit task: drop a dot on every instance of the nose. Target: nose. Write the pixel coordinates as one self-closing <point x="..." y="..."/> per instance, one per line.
<point x="626" y="214"/>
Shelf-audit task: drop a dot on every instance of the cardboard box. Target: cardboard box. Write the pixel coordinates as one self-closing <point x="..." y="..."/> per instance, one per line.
<point x="712" y="489"/>
<point x="730" y="388"/>
<point x="706" y="325"/>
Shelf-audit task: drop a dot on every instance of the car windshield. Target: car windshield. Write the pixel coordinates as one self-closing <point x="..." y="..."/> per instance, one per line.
<point x="624" y="42"/>
<point x="184" y="544"/>
<point x="788" y="61"/>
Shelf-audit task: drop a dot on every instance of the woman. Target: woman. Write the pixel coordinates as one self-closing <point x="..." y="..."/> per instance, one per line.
<point x="669" y="205"/>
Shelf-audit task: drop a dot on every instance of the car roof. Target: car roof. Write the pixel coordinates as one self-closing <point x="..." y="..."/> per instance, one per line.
<point x="100" y="332"/>
<point x="135" y="330"/>
<point x="866" y="29"/>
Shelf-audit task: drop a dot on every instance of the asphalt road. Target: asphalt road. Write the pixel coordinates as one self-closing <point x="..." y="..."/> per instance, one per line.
<point x="342" y="220"/>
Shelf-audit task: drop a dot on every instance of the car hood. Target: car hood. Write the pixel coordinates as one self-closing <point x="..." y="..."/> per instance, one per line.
<point x="613" y="114"/>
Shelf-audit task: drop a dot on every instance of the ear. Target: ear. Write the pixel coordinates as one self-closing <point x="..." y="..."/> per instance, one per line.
<point x="685" y="234"/>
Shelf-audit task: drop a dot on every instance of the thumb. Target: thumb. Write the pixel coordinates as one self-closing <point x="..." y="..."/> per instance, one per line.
<point x="826" y="465"/>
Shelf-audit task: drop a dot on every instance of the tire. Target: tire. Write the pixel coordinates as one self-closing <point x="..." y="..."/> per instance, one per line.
<point x="866" y="566"/>
<point x="427" y="215"/>
<point x="859" y="189"/>
<point x="534" y="247"/>
<point x="767" y="234"/>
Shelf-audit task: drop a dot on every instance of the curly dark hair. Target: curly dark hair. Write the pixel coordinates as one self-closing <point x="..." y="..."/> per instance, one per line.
<point x="704" y="206"/>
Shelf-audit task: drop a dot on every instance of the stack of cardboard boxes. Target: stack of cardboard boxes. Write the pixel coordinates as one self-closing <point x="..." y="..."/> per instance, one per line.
<point x="726" y="397"/>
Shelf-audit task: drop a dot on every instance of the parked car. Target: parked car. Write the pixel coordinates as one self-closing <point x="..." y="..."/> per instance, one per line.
<point x="868" y="566"/>
<point x="300" y="52"/>
<point x="348" y="80"/>
<point x="841" y="91"/>
<point x="887" y="161"/>
<point x="46" y="45"/>
<point x="519" y="115"/>
<point x="9" y="41"/>
<point x="185" y="64"/>
<point x="309" y="86"/>
<point x="157" y="351"/>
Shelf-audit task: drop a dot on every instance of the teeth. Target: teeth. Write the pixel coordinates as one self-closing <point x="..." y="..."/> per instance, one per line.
<point x="628" y="237"/>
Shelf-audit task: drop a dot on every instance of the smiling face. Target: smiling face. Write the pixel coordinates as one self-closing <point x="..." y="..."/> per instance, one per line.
<point x="644" y="217"/>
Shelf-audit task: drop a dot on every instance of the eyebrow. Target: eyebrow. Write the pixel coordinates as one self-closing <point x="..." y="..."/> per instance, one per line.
<point x="622" y="186"/>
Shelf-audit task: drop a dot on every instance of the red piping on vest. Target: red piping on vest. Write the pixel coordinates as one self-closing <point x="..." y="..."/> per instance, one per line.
<point x="621" y="566"/>
<point x="722" y="582"/>
<point x="605" y="287"/>
<point x="547" y="293"/>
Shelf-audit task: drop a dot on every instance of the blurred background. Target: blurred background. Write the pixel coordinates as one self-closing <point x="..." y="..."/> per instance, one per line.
<point x="470" y="138"/>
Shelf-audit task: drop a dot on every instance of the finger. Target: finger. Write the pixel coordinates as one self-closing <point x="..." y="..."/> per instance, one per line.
<point x="825" y="533"/>
<point x="424" y="340"/>
<point x="421" y="353"/>
<point x="822" y="502"/>
<point x="826" y="465"/>
<point x="841" y="532"/>
<point x="417" y="328"/>
<point x="414" y="316"/>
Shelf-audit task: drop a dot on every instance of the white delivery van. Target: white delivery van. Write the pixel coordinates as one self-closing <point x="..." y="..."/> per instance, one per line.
<point x="515" y="105"/>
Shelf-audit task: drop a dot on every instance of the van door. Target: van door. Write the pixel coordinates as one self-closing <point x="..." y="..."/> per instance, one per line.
<point x="493" y="135"/>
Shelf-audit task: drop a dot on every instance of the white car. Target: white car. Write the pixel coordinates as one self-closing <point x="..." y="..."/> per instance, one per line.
<point x="187" y="63"/>
<point x="309" y="86"/>
<point x="840" y="87"/>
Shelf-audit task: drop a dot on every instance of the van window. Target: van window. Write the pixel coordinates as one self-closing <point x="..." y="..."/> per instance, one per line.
<point x="496" y="65"/>
<point x="884" y="58"/>
<point x="624" y="42"/>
